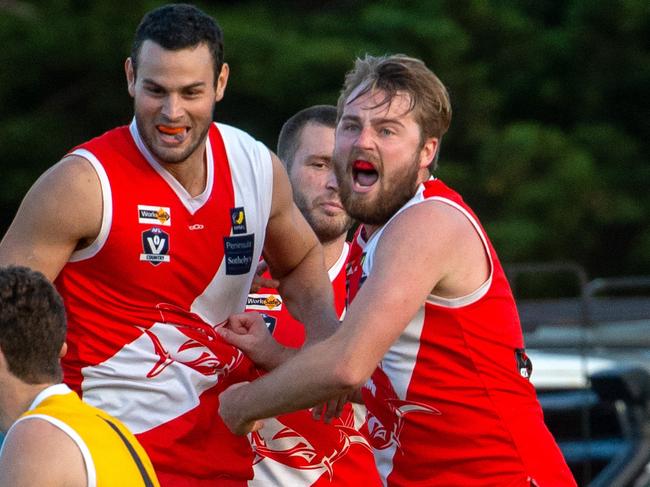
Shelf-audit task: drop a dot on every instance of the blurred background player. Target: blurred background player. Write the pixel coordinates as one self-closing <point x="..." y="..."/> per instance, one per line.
<point x="295" y="449"/>
<point x="54" y="438"/>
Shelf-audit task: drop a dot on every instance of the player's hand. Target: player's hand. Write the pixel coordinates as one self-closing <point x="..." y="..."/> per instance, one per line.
<point x="230" y="411"/>
<point x="330" y="409"/>
<point x="260" y="282"/>
<point x="249" y="333"/>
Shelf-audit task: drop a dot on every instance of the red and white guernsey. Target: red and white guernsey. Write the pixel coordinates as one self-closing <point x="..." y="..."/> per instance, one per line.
<point x="143" y="300"/>
<point x="294" y="449"/>
<point x="451" y="403"/>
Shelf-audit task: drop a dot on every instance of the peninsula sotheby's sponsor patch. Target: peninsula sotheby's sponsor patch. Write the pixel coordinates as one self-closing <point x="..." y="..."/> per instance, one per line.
<point x="238" y="252"/>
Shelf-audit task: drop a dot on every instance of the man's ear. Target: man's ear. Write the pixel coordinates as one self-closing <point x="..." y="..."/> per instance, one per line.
<point x="3" y="361"/>
<point x="428" y="152"/>
<point x="222" y="81"/>
<point x="129" y="69"/>
<point x="64" y="350"/>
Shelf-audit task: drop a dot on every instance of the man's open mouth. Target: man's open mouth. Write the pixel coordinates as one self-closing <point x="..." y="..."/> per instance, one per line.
<point x="364" y="173"/>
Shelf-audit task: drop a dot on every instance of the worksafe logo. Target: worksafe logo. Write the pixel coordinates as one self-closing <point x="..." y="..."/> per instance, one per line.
<point x="264" y="302"/>
<point x="238" y="220"/>
<point x="154" y="215"/>
<point x="155" y="246"/>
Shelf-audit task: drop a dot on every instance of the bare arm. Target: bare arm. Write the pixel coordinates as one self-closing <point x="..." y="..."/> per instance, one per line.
<point x="36" y="452"/>
<point x="295" y="258"/>
<point x="62" y="212"/>
<point x="413" y="258"/>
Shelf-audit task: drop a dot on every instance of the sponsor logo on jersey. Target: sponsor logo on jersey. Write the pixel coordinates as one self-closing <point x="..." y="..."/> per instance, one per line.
<point x="155" y="246"/>
<point x="238" y="254"/>
<point x="524" y="364"/>
<point x="264" y="302"/>
<point x="238" y="220"/>
<point x="156" y="215"/>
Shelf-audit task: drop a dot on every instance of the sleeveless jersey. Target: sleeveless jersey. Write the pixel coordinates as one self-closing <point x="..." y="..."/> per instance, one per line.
<point x="451" y="402"/>
<point x="294" y="449"/>
<point x="144" y="299"/>
<point x="112" y="455"/>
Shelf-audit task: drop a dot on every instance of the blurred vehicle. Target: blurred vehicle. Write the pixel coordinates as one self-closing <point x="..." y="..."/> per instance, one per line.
<point x="591" y="369"/>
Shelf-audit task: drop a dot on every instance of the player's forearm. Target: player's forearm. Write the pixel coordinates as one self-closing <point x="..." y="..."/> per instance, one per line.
<point x="311" y="377"/>
<point x="307" y="293"/>
<point x="281" y="356"/>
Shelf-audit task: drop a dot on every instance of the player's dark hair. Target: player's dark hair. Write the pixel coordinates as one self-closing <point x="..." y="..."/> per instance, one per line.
<point x="32" y="325"/>
<point x="289" y="137"/>
<point x="180" y="26"/>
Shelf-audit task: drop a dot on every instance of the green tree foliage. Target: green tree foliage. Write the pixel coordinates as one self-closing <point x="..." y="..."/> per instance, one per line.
<point x="549" y="139"/>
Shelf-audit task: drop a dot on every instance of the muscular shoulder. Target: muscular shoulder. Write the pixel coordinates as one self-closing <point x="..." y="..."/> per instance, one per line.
<point x="36" y="452"/>
<point x="71" y="191"/>
<point x="73" y="177"/>
<point x="440" y="240"/>
<point x="429" y="222"/>
<point x="60" y="213"/>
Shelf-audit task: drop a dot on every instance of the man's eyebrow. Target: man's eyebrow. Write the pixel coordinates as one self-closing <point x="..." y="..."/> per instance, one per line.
<point x="320" y="156"/>
<point x="374" y="121"/>
<point x="197" y="84"/>
<point x="386" y="120"/>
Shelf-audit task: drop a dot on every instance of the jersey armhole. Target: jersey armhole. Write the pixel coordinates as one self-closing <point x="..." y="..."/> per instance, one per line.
<point x="107" y="208"/>
<point x="91" y="472"/>
<point x="336" y="268"/>
<point x="482" y="290"/>
<point x="266" y="161"/>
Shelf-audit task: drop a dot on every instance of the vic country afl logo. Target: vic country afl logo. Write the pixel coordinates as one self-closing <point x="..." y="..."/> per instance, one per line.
<point x="386" y="411"/>
<point x="155" y="246"/>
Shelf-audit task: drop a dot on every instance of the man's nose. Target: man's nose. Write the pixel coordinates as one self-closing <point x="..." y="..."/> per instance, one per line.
<point x="172" y="107"/>
<point x="365" y="139"/>
<point x="332" y="183"/>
